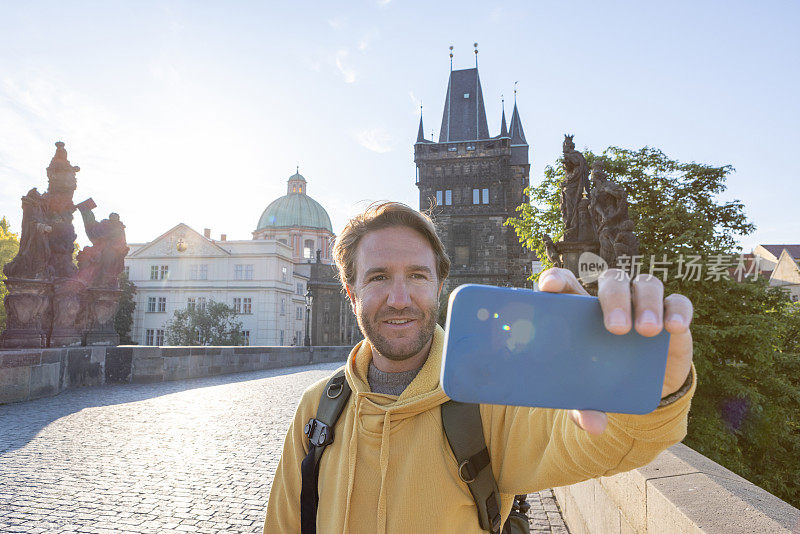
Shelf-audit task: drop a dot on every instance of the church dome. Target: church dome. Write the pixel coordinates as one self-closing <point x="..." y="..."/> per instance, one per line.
<point x="295" y="209"/>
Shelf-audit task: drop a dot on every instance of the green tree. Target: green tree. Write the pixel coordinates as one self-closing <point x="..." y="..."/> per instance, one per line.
<point x="213" y="324"/>
<point x="9" y="246"/>
<point x="123" y="320"/>
<point x="746" y="411"/>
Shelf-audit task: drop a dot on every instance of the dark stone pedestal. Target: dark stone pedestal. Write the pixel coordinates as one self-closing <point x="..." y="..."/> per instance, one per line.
<point x="101" y="306"/>
<point x="571" y="251"/>
<point x="26" y="304"/>
<point x="66" y="306"/>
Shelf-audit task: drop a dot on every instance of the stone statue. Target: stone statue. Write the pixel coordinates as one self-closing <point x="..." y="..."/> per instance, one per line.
<point x="33" y="259"/>
<point x="552" y="251"/>
<point x="573" y="188"/>
<point x="608" y="206"/>
<point x="100" y="265"/>
<point x="50" y="302"/>
<point x="59" y="206"/>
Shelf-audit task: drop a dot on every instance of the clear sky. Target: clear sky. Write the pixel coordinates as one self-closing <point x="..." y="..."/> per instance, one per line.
<point x="198" y="112"/>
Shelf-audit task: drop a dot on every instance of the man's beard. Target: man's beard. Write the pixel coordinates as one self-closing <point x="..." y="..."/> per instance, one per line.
<point x="390" y="349"/>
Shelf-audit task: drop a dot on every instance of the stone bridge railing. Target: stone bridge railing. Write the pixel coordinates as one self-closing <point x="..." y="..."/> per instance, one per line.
<point x="680" y="491"/>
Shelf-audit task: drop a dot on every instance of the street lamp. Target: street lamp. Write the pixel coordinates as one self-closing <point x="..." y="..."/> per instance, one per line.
<point x="309" y="300"/>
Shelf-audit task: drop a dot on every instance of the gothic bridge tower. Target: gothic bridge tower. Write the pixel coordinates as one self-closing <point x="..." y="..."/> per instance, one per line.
<point x="475" y="181"/>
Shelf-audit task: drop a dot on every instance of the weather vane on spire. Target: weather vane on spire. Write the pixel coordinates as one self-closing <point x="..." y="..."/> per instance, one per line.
<point x="515" y="92"/>
<point x="451" y="58"/>
<point x="475" y="45"/>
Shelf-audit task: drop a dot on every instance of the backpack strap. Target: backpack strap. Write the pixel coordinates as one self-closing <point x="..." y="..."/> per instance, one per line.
<point x="319" y="432"/>
<point x="464" y="430"/>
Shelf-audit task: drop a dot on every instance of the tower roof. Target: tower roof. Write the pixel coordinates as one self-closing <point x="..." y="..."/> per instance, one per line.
<point x="517" y="133"/>
<point x="464" y="117"/>
<point x="503" y="127"/>
<point x="420" y="132"/>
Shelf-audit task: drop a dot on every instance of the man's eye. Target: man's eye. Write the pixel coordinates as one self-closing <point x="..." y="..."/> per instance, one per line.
<point x="377" y="278"/>
<point x="419" y="276"/>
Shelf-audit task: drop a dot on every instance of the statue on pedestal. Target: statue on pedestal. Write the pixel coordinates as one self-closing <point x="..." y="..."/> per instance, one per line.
<point x="595" y="215"/>
<point x="51" y="302"/>
<point x="608" y="204"/>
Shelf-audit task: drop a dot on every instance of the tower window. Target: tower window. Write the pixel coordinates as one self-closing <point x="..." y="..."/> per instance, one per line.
<point x="308" y="248"/>
<point x="466" y="95"/>
<point x="470" y="147"/>
<point x="461" y="245"/>
<point x="438" y="198"/>
<point x="448" y="197"/>
<point x="485" y="196"/>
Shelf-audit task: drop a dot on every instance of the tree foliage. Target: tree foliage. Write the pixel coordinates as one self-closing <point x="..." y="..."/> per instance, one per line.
<point x="9" y="246"/>
<point x="212" y="324"/>
<point x="746" y="411"/>
<point x="123" y="320"/>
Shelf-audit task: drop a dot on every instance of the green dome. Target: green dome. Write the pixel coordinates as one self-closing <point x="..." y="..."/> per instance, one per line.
<point x="295" y="209"/>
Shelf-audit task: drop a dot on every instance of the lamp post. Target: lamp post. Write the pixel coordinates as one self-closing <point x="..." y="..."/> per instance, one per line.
<point x="309" y="300"/>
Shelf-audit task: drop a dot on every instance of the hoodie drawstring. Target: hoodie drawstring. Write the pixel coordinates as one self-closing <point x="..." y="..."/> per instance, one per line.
<point x="384" y="462"/>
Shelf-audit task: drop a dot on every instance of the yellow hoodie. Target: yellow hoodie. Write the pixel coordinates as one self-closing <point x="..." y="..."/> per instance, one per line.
<point x="391" y="470"/>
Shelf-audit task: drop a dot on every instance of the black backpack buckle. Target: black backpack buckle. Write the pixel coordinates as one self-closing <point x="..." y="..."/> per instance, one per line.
<point x="318" y="433"/>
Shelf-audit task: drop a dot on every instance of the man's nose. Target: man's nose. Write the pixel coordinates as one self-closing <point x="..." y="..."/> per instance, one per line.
<point x="399" y="297"/>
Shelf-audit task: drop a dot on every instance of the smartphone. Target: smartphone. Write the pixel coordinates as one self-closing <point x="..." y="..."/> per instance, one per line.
<point x="530" y="348"/>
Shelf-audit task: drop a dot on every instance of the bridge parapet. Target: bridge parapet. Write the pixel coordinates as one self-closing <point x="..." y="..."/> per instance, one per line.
<point x="35" y="373"/>
<point x="680" y="491"/>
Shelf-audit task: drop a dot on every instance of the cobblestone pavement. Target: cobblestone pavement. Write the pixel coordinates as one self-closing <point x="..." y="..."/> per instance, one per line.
<point x="192" y="456"/>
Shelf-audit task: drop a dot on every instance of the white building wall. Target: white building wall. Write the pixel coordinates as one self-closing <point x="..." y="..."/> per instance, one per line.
<point x="269" y="286"/>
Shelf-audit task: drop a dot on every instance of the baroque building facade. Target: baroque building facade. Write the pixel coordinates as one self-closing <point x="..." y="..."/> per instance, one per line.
<point x="474" y="182"/>
<point x="264" y="279"/>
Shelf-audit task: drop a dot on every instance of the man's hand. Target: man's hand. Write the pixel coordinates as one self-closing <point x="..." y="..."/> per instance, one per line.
<point x="644" y="301"/>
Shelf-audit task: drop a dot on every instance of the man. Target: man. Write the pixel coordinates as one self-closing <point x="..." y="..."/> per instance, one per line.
<point x="390" y="468"/>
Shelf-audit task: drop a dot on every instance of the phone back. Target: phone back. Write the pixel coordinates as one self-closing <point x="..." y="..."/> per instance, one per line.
<point x="530" y="348"/>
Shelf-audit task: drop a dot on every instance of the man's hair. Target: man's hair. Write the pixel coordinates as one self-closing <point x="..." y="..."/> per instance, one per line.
<point x="377" y="217"/>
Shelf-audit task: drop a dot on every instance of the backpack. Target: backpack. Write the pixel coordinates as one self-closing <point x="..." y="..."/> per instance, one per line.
<point x="464" y="431"/>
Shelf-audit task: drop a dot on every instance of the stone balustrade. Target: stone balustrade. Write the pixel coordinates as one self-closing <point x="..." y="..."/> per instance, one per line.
<point x="29" y="374"/>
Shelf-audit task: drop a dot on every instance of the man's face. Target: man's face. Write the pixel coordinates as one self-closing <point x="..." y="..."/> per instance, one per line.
<point x="396" y="292"/>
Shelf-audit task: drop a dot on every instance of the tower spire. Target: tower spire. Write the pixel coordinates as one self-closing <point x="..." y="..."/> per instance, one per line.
<point x="420" y="132"/>
<point x="503" y="128"/>
<point x="477" y="94"/>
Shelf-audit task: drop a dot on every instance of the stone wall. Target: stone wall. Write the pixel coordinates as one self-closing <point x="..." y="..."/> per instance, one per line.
<point x="35" y="373"/>
<point x="680" y="491"/>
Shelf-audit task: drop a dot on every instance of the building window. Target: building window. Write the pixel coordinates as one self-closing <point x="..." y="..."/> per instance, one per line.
<point x="237" y="305"/>
<point x="284" y="274"/>
<point x="283" y="306"/>
<point x="485" y="193"/>
<point x="159" y="337"/>
<point x="470" y="147"/>
<point x="298" y="313"/>
<point x="162" y="304"/>
<point x="476" y="196"/>
<point x="300" y="288"/>
<point x="246" y="337"/>
<point x="281" y="340"/>
<point x="198" y="272"/>
<point x="308" y="248"/>
<point x="448" y="197"/>
<point x="191" y="303"/>
<point x="201" y="303"/>
<point x="298" y="337"/>
<point x="163" y="272"/>
<point x="154" y="272"/>
<point x="243" y="272"/>
<point x="151" y="304"/>
<point x="247" y="305"/>
<point x="149" y="335"/>
<point x="461" y="240"/>
<point x="127" y="271"/>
